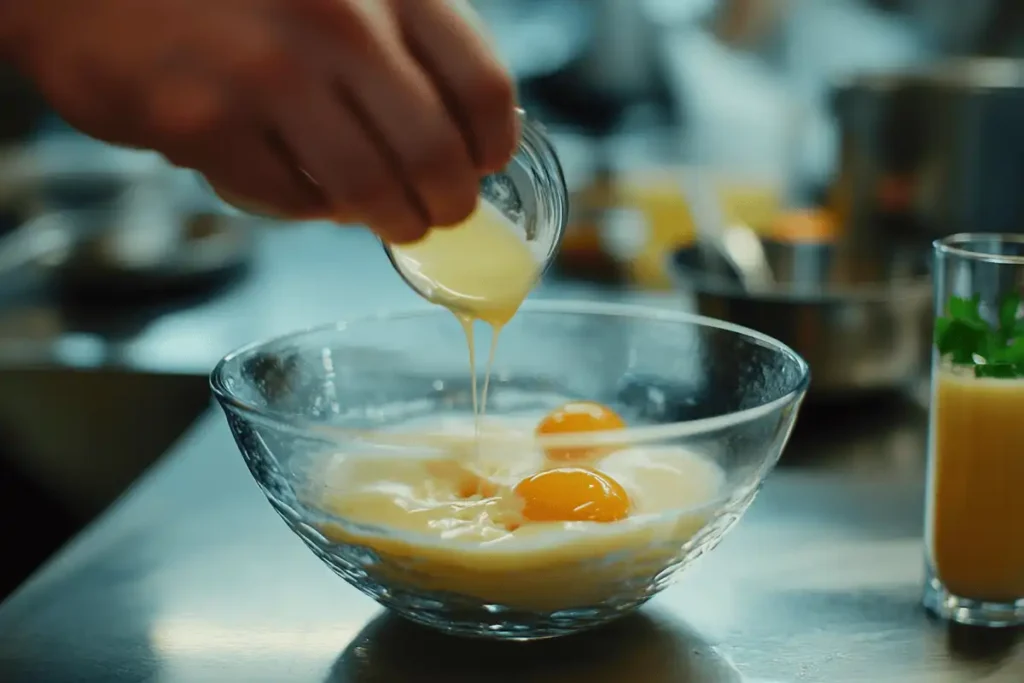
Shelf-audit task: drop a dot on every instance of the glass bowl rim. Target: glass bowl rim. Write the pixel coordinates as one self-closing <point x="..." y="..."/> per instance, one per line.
<point x="309" y="429"/>
<point x="957" y="245"/>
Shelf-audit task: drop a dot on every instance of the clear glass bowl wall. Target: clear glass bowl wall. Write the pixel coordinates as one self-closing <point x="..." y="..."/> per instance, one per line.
<point x="727" y="393"/>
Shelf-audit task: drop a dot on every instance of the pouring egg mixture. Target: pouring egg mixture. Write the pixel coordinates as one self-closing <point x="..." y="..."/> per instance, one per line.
<point x="490" y="512"/>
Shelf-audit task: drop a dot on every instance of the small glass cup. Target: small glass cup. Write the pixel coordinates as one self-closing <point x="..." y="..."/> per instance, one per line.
<point x="975" y="510"/>
<point x="530" y="192"/>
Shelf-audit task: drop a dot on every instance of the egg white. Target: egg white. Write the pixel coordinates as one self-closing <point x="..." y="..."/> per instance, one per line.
<point x="404" y="504"/>
<point x="420" y="493"/>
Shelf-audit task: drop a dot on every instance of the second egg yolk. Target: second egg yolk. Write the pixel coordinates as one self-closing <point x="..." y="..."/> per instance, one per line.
<point x="572" y="494"/>
<point x="578" y="417"/>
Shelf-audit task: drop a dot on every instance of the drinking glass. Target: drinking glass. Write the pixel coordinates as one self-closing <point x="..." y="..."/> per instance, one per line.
<point x="975" y="510"/>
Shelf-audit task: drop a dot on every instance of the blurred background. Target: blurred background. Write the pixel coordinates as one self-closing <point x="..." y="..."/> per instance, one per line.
<point x="781" y="163"/>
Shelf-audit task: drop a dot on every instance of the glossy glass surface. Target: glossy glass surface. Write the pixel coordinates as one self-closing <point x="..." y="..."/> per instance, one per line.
<point x="727" y="393"/>
<point x="974" y="511"/>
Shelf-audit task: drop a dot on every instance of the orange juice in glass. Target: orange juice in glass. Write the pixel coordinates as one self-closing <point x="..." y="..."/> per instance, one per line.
<point x="975" y="510"/>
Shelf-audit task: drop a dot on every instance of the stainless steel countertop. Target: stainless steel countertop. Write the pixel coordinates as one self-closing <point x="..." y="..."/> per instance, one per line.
<point x="301" y="275"/>
<point x="191" y="577"/>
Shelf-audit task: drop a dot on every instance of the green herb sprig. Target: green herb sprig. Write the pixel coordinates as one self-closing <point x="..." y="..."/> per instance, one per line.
<point x="966" y="338"/>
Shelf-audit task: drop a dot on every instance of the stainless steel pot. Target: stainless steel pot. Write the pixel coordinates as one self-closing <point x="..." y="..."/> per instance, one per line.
<point x="932" y="152"/>
<point x="863" y="326"/>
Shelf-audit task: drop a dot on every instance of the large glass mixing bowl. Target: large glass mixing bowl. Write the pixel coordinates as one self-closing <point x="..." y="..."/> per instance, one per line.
<point x="725" y="393"/>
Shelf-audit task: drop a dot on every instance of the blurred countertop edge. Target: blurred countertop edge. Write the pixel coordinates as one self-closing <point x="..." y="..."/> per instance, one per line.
<point x="300" y="276"/>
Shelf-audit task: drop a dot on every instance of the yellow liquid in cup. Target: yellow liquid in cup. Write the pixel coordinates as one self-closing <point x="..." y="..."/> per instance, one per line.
<point x="482" y="269"/>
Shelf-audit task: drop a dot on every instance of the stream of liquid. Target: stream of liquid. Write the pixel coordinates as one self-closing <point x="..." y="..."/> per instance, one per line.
<point x="480" y="270"/>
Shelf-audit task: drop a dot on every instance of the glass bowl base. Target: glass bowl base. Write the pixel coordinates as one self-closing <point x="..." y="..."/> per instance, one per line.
<point x="496" y="623"/>
<point x="459" y="616"/>
<point x="941" y="602"/>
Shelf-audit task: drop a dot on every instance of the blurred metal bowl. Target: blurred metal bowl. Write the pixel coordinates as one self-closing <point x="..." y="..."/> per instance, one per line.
<point x="863" y="325"/>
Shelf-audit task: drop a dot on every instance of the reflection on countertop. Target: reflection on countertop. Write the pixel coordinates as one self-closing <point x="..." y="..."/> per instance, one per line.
<point x="651" y="646"/>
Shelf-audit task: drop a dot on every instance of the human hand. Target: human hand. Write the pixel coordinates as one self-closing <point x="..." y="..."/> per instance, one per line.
<point x="385" y="112"/>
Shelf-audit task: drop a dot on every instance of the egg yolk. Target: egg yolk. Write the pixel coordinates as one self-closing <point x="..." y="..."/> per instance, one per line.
<point x="572" y="494"/>
<point x="576" y="417"/>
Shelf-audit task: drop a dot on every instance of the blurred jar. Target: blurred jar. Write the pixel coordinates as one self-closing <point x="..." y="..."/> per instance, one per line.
<point x="629" y="210"/>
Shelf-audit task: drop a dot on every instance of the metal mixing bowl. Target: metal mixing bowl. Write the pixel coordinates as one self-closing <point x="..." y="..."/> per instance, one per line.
<point x="863" y="324"/>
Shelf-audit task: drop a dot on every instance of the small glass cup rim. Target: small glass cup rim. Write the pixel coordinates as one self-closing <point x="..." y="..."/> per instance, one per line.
<point x="308" y="429"/>
<point x="951" y="245"/>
